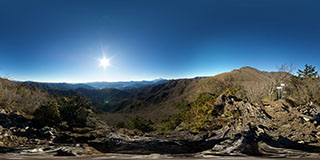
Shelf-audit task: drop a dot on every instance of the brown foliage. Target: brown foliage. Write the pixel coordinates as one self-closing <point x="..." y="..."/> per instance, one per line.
<point x="305" y="90"/>
<point x="18" y="97"/>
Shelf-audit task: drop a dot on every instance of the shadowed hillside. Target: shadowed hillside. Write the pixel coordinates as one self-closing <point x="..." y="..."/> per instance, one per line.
<point x="234" y="113"/>
<point x="160" y="100"/>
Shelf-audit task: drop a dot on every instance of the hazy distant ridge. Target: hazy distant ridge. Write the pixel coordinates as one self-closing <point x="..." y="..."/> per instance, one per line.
<point x="93" y="85"/>
<point x="124" y="85"/>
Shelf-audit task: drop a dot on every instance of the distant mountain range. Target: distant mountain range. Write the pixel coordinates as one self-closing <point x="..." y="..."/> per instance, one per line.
<point x="155" y="97"/>
<point x="93" y="85"/>
<point x="124" y="85"/>
<point x="161" y="99"/>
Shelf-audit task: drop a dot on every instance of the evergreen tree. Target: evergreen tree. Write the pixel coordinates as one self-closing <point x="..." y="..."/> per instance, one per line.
<point x="48" y="114"/>
<point x="75" y="110"/>
<point x="308" y="72"/>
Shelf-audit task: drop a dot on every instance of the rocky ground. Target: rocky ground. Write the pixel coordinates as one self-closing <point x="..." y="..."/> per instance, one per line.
<point x="278" y="129"/>
<point x="146" y="157"/>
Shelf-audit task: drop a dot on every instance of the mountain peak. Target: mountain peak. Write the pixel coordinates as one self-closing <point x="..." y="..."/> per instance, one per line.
<point x="249" y="68"/>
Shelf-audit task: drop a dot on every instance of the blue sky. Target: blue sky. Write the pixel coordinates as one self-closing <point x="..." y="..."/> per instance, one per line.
<point x="61" y="41"/>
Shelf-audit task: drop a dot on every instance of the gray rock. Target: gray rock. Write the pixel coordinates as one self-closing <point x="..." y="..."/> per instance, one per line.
<point x="48" y="132"/>
<point x="65" y="152"/>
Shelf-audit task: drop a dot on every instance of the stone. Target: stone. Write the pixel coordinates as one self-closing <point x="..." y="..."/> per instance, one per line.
<point x="256" y="130"/>
<point x="306" y="119"/>
<point x="64" y="152"/>
<point x="48" y="133"/>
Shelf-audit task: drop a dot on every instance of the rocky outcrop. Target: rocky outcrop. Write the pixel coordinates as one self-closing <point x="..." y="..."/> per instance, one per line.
<point x="185" y="143"/>
<point x="272" y="130"/>
<point x="23" y="136"/>
<point x="279" y="129"/>
<point x="16" y="130"/>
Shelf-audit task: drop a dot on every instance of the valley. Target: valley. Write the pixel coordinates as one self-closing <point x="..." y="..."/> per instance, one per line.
<point x="228" y="114"/>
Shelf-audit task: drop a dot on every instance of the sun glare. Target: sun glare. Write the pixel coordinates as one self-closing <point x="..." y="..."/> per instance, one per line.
<point x="104" y="62"/>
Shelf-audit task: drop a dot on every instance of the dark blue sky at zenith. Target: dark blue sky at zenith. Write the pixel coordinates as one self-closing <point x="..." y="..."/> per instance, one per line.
<point x="62" y="40"/>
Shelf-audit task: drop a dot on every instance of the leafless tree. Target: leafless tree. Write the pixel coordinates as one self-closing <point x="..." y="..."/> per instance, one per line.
<point x="19" y="97"/>
<point x="283" y="75"/>
<point x="254" y="92"/>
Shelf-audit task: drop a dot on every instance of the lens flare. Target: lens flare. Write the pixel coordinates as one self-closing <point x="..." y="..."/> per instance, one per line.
<point x="104" y="62"/>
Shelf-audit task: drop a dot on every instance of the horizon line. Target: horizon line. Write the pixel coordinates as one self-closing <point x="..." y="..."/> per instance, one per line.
<point x="136" y="80"/>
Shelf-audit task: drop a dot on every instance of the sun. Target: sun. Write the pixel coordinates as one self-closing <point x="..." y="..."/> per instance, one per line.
<point x="104" y="62"/>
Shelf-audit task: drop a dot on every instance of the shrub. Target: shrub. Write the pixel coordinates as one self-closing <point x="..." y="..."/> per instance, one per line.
<point x="236" y="90"/>
<point x="120" y="125"/>
<point x="137" y="123"/>
<point x="306" y="87"/>
<point x="74" y="110"/>
<point x="18" y="97"/>
<point x="202" y="113"/>
<point x="254" y="92"/>
<point x="48" y="114"/>
<point x="305" y="90"/>
<point x="170" y="123"/>
<point x="65" y="112"/>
